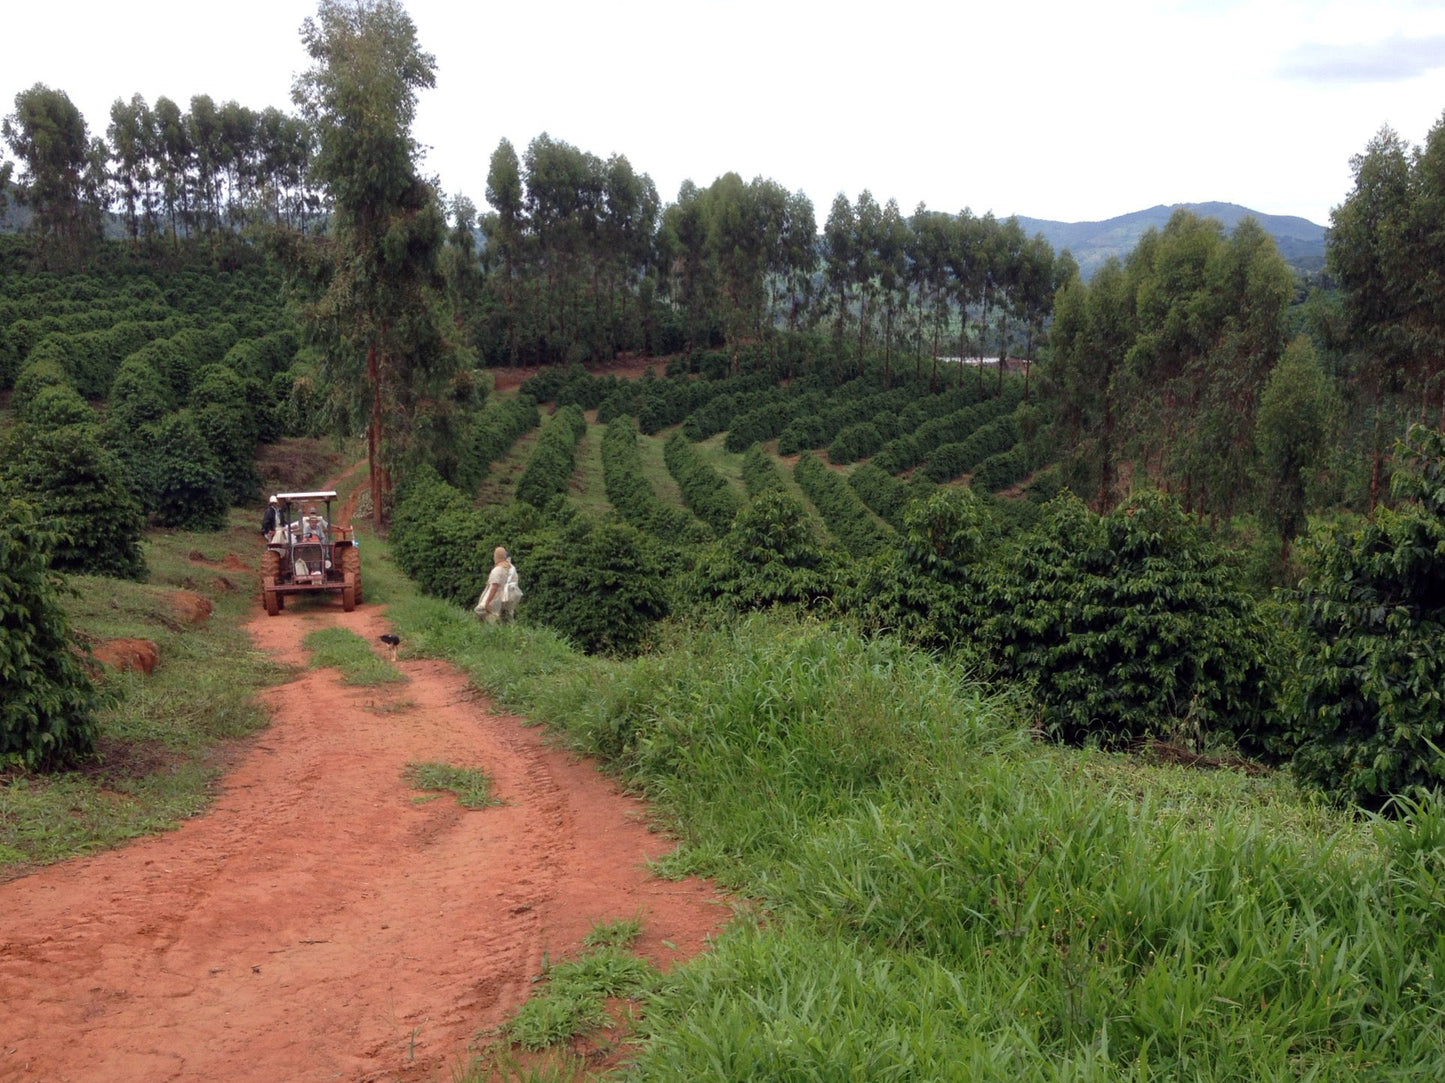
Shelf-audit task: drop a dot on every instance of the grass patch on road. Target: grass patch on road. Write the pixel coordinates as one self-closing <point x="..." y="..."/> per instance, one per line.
<point x="343" y="649"/>
<point x="472" y="785"/>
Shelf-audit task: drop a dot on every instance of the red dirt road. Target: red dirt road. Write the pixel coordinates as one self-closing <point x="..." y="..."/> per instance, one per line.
<point x="325" y="920"/>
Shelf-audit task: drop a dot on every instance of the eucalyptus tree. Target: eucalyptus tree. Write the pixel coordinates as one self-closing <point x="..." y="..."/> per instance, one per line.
<point x="839" y="236"/>
<point x="203" y="126"/>
<point x="132" y="145"/>
<point x="692" y="276"/>
<point x="64" y="173"/>
<point x="797" y="258"/>
<point x="1427" y="233"/>
<point x="174" y="152"/>
<point x="1369" y="257"/>
<point x="890" y="249"/>
<point x="627" y="236"/>
<point x="965" y="256"/>
<point x="735" y="246"/>
<point x="1295" y="423"/>
<point x="504" y="229"/>
<point x="930" y="236"/>
<point x="379" y="312"/>
<point x="1093" y="330"/>
<point x="563" y="198"/>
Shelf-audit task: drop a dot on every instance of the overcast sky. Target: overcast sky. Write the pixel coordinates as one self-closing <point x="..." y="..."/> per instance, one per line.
<point x="1046" y="108"/>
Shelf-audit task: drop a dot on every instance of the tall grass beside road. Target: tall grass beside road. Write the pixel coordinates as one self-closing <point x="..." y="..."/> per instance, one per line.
<point x="937" y="896"/>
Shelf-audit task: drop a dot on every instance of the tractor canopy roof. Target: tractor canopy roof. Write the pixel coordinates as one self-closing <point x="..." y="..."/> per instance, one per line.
<point x="329" y="494"/>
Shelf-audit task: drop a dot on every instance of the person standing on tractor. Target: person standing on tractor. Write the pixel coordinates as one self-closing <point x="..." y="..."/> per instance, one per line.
<point x="268" y="520"/>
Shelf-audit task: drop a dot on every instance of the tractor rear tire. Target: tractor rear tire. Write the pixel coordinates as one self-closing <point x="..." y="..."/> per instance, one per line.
<point x="270" y="570"/>
<point x="351" y="567"/>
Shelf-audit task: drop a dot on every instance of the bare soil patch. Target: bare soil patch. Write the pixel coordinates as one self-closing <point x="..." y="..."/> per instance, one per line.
<point x="325" y="920"/>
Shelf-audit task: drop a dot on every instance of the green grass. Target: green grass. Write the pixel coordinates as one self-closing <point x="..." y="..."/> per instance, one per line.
<point x="472" y="786"/>
<point x="588" y="490"/>
<point x="573" y="997"/>
<point x="945" y="897"/>
<point x="343" y="649"/>
<point x="654" y="468"/>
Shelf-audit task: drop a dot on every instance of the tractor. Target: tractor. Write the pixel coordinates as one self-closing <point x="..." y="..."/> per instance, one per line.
<point x="307" y="554"/>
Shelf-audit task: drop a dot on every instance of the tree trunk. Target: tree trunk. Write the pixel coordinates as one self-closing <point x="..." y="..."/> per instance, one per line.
<point x="373" y="437"/>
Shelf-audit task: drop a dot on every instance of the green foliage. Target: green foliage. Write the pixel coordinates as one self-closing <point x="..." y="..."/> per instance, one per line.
<point x="1297" y="413"/>
<point x="761" y="473"/>
<point x="926" y="591"/>
<point x="848" y="519"/>
<point x="182" y="481"/>
<point x="139" y="395"/>
<point x="47" y="715"/>
<point x="599" y="585"/>
<point x="704" y="491"/>
<point x="629" y="491"/>
<point x="770" y="556"/>
<point x="952" y="460"/>
<point x="857" y="441"/>
<point x="38" y="374"/>
<point x="78" y="491"/>
<point x="886" y="496"/>
<point x="1368" y="718"/>
<point x="1128" y="625"/>
<point x="228" y="424"/>
<point x="553" y="457"/>
<point x="55" y="406"/>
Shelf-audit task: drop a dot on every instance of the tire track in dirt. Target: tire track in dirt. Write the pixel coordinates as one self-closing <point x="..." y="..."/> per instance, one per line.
<point x="324" y="920"/>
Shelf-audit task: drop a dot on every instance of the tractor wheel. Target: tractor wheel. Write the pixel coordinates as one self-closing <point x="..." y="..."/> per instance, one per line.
<point x="351" y="568"/>
<point x="270" y="569"/>
<point x="348" y="597"/>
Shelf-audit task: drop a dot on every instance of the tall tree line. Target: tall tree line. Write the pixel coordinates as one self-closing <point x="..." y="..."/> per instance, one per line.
<point x="168" y="173"/>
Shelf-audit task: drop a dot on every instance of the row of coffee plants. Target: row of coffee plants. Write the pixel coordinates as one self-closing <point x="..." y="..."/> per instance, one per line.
<point x="761" y="473"/>
<point x="885" y="495"/>
<point x="706" y="493"/>
<point x="495" y="429"/>
<point x="856" y="403"/>
<point x="907" y="451"/>
<point x="629" y="492"/>
<point x="857" y="529"/>
<point x="554" y="455"/>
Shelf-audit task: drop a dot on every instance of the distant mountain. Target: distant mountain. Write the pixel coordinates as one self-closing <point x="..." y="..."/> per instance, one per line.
<point x="1300" y="241"/>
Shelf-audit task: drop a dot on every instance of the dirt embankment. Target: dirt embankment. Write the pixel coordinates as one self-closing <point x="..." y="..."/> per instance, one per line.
<point x="325" y="920"/>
